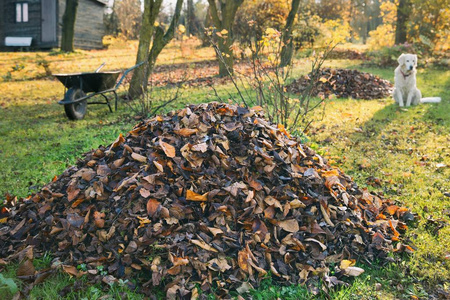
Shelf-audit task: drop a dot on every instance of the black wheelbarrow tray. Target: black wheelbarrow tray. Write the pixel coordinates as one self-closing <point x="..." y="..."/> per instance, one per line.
<point x="82" y="86"/>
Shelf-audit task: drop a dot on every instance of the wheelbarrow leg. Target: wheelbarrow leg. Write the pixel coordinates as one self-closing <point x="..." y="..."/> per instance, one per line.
<point x="107" y="102"/>
<point x="117" y="98"/>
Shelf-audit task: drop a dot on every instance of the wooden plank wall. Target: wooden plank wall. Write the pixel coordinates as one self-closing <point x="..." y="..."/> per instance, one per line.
<point x="89" y="27"/>
<point x="9" y="27"/>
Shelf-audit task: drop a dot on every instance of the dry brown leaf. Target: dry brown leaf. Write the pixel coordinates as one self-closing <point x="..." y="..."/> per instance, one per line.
<point x="71" y="270"/>
<point x="215" y="231"/>
<point x="159" y="166"/>
<point x="186" y="132"/>
<point x="99" y="219"/>
<point x="119" y="141"/>
<point x="152" y="207"/>
<point x="289" y="225"/>
<point x="138" y="157"/>
<point x="353" y="271"/>
<point x="243" y="259"/>
<point x="297" y="204"/>
<point x="203" y="245"/>
<point x="26" y="268"/>
<point x="168" y="149"/>
<point x="144" y="192"/>
<point x="200" y="147"/>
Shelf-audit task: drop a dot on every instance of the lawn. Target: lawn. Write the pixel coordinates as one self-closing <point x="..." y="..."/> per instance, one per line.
<point x="402" y="153"/>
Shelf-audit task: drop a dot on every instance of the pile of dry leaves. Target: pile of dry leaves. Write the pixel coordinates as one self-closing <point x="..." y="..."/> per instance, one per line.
<point x="344" y="84"/>
<point x="210" y="196"/>
<point x="346" y="54"/>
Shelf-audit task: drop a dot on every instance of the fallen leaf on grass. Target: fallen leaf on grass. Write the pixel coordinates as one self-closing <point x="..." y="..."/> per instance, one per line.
<point x="353" y="271"/>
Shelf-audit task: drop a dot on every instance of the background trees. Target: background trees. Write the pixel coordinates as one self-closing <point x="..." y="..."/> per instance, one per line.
<point x="129" y="16"/>
<point x="148" y="31"/>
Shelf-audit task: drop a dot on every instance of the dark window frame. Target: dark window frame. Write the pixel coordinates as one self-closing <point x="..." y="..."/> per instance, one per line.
<point x="22" y="10"/>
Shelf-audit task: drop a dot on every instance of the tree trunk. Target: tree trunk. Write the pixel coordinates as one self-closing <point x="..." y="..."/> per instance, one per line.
<point x="403" y="10"/>
<point x="139" y="80"/>
<point x="228" y="9"/>
<point x="287" y="50"/>
<point x="226" y="60"/>
<point x="68" y="26"/>
<point x="190" y="18"/>
<point x="161" y="40"/>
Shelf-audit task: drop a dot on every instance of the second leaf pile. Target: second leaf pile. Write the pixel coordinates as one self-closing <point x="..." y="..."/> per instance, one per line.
<point x="344" y="83"/>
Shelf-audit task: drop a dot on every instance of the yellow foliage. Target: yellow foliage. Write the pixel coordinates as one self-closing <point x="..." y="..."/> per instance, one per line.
<point x="334" y="32"/>
<point x="383" y="36"/>
<point x="388" y="12"/>
<point x="181" y="29"/>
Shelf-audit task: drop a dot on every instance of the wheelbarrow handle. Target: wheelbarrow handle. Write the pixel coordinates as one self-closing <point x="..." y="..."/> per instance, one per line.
<point x="99" y="68"/>
<point x="126" y="72"/>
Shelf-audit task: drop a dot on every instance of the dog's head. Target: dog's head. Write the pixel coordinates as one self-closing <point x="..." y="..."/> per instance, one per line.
<point x="407" y="61"/>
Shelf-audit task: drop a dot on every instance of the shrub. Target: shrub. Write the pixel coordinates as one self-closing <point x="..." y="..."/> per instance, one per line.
<point x="387" y="56"/>
<point x="383" y="36"/>
<point x="334" y="32"/>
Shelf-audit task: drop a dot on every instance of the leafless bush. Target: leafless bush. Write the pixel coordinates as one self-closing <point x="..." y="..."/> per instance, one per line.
<point x="151" y="101"/>
<point x="265" y="86"/>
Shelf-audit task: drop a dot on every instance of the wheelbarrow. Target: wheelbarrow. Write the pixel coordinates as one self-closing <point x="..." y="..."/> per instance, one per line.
<point x="79" y="87"/>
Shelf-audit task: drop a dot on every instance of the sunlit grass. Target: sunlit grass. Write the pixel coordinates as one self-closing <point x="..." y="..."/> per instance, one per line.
<point x="405" y="149"/>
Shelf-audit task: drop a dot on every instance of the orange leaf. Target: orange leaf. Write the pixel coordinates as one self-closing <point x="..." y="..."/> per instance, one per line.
<point x="243" y="258"/>
<point x="119" y="141"/>
<point x="186" y="132"/>
<point x="381" y="217"/>
<point x="168" y="149"/>
<point x="409" y="249"/>
<point x="152" y="207"/>
<point x="329" y="173"/>
<point x="193" y="196"/>
<point x="392" y="209"/>
<point x="283" y="130"/>
<point x="255" y="184"/>
<point x="98" y="219"/>
<point x="77" y="202"/>
<point x="175" y="270"/>
<point x="396" y="233"/>
<point x="71" y="270"/>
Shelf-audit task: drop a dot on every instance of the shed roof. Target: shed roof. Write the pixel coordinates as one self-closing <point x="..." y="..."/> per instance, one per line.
<point x="104" y="2"/>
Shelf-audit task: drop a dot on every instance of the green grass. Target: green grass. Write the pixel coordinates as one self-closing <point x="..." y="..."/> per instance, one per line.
<point x="403" y="148"/>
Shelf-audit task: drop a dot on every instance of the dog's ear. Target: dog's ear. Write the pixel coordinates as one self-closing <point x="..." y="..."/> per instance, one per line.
<point x="401" y="59"/>
<point x="415" y="60"/>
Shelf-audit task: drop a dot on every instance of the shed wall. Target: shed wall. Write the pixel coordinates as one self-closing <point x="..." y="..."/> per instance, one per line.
<point x="89" y="27"/>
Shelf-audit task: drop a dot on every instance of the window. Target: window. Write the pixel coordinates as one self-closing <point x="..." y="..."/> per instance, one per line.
<point x="21" y="12"/>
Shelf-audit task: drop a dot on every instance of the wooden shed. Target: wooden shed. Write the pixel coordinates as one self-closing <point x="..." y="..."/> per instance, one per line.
<point x="40" y="22"/>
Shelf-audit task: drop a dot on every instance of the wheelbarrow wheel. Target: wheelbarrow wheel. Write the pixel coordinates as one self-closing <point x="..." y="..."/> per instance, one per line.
<point x="77" y="110"/>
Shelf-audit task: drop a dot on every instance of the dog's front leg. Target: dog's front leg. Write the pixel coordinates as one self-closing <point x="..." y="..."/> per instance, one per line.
<point x="409" y="98"/>
<point x="398" y="97"/>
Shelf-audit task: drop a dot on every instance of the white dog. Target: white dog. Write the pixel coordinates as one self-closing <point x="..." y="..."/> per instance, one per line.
<point x="405" y="89"/>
